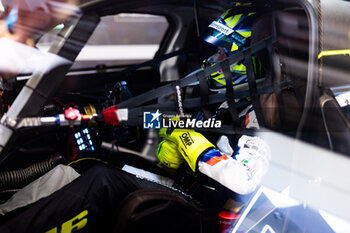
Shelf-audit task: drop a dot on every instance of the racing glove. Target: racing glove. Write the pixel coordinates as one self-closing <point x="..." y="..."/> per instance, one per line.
<point x="168" y="154"/>
<point x="190" y="144"/>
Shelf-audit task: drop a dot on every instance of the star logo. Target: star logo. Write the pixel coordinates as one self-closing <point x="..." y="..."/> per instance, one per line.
<point x="151" y="120"/>
<point x="156" y="115"/>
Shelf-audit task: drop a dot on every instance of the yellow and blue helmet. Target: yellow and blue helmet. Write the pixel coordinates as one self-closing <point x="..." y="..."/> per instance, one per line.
<point x="231" y="31"/>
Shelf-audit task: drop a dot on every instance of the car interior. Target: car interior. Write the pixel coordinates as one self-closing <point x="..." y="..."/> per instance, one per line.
<point x="287" y="100"/>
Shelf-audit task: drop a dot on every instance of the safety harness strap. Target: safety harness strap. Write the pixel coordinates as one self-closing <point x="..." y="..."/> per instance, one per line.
<point x="254" y="91"/>
<point x="204" y="94"/>
<point x="230" y="93"/>
<point x="178" y="98"/>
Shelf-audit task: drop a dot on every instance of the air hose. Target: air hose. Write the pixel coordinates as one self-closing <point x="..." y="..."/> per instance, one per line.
<point x="17" y="179"/>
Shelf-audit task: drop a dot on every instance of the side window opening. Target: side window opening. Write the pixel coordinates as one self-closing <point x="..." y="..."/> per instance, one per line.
<point x="121" y="39"/>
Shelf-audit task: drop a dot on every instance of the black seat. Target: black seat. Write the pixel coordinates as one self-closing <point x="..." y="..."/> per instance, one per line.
<point x="282" y="109"/>
<point x="159" y="211"/>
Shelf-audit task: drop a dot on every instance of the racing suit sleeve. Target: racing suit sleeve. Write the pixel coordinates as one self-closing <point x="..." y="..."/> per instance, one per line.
<point x="242" y="172"/>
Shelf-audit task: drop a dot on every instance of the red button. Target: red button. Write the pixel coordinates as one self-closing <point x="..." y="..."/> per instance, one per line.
<point x="71" y="113"/>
